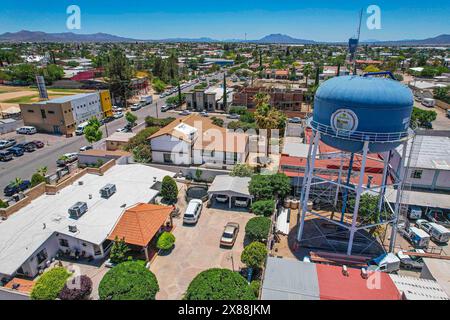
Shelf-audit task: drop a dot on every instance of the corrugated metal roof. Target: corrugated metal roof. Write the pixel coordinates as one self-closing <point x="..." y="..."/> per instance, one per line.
<point x="288" y="279"/>
<point x="419" y="289"/>
<point x="228" y="185"/>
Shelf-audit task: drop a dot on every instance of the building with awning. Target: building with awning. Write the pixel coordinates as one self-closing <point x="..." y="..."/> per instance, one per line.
<point x="140" y="225"/>
<point x="231" y="187"/>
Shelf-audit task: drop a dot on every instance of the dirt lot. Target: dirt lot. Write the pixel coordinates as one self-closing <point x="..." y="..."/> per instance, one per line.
<point x="197" y="249"/>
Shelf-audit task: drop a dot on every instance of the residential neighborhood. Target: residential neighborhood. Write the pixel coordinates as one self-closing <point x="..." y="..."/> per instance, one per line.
<point x="139" y="165"/>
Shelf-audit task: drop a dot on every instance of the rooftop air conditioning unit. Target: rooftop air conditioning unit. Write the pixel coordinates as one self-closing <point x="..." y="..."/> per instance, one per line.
<point x="73" y="229"/>
<point x="78" y="209"/>
<point x="108" y="190"/>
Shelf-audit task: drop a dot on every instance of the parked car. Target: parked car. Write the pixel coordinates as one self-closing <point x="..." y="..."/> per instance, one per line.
<point x="26" y="130"/>
<point x="165" y="108"/>
<point x="38" y="144"/>
<point x="12" y="189"/>
<point x="193" y="211"/>
<point x="27" y="146"/>
<point x="185" y="113"/>
<point x="417" y="237"/>
<point x="16" y="151"/>
<point x="118" y="115"/>
<point x="135" y="107"/>
<point x="295" y="120"/>
<point x="229" y="234"/>
<point x="410" y="262"/>
<point x="6" y="155"/>
<point x="80" y="128"/>
<point x="221" y="198"/>
<point x="438" y="216"/>
<point x="85" y="148"/>
<point x="204" y="114"/>
<point x="438" y="233"/>
<point x="7" y="143"/>
<point x="241" y="202"/>
<point x="66" y="159"/>
<point x="414" y="212"/>
<point x="233" y="116"/>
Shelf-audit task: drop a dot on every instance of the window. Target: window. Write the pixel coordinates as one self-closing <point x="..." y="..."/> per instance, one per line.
<point x="42" y="256"/>
<point x="416" y="174"/>
<point x="43" y="114"/>
<point x="64" y="243"/>
<point x="31" y="111"/>
<point x="51" y="112"/>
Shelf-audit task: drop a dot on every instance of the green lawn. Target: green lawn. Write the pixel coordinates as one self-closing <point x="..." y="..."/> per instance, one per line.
<point x="30" y="99"/>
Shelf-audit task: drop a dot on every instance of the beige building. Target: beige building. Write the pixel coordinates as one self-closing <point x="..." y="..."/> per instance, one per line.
<point x="118" y="140"/>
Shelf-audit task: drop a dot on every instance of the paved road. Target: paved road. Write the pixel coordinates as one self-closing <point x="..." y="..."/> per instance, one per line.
<point x="25" y="166"/>
<point x="442" y="122"/>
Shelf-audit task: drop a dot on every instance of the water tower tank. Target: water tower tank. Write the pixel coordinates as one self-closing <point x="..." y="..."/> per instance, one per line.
<point x="352" y="109"/>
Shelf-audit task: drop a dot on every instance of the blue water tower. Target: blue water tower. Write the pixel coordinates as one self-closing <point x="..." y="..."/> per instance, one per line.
<point x="352" y="109"/>
<point x="356" y="115"/>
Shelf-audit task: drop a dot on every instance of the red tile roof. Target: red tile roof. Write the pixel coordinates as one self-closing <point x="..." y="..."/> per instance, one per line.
<point x="333" y="285"/>
<point x="138" y="225"/>
<point x="23" y="285"/>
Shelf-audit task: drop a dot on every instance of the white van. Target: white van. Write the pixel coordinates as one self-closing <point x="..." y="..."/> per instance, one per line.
<point x="428" y="102"/>
<point x="438" y="233"/>
<point x="26" y="130"/>
<point x="193" y="211"/>
<point x="418" y="237"/>
<point x="414" y="212"/>
<point x="80" y="129"/>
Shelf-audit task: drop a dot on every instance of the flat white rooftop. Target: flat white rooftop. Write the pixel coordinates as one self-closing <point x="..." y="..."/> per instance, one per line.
<point x="26" y="230"/>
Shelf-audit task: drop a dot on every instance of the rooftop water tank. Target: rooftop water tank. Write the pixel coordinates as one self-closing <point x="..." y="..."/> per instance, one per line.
<point x="349" y="110"/>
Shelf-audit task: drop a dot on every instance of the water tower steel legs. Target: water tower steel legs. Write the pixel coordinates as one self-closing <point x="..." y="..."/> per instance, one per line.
<point x="384" y="181"/>
<point x="307" y="179"/>
<point x="400" y="184"/>
<point x="358" y="190"/>
<point x="345" y="196"/>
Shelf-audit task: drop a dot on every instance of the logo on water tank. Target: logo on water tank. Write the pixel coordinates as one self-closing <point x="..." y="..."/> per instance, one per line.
<point x="344" y="119"/>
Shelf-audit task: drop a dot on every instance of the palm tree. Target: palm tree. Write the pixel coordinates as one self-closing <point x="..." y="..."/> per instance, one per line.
<point x="42" y="171"/>
<point x="16" y="182"/>
<point x="307" y="70"/>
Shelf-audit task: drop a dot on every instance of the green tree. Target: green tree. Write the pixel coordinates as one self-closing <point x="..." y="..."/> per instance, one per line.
<point x="37" y="179"/>
<point x="128" y="281"/>
<point x="165" y="241"/>
<point x="307" y="71"/>
<point x="254" y="255"/>
<point x="92" y="132"/>
<point x="421" y="117"/>
<point x="260" y="187"/>
<point x="131" y="118"/>
<point x="242" y="170"/>
<point x="169" y="189"/>
<point x="258" y="228"/>
<point x="441" y="93"/>
<point x="263" y="207"/>
<point x="158" y="85"/>
<point x="119" y="251"/>
<point x="219" y="284"/>
<point x="52" y="72"/>
<point x="119" y="73"/>
<point x="50" y="284"/>
<point x="281" y="185"/>
<point x="217" y="121"/>
<point x="24" y="72"/>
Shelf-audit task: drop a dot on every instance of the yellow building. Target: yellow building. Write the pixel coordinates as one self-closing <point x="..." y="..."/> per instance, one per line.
<point x="105" y="100"/>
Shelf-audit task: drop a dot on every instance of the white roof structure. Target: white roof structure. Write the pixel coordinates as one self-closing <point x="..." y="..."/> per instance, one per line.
<point x="231" y="186"/>
<point x="295" y="147"/>
<point x="420" y="198"/>
<point x="439" y="270"/>
<point x="185" y="129"/>
<point x="419" y="289"/>
<point x="27" y="229"/>
<point x="430" y="152"/>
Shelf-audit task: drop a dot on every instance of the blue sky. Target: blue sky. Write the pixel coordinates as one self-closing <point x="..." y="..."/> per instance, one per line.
<point x="328" y="20"/>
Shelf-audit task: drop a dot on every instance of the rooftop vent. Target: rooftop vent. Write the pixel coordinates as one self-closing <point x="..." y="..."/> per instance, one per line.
<point x="345" y="270"/>
<point x="78" y="209"/>
<point x="73" y="229"/>
<point x="108" y="190"/>
<point x="80" y="183"/>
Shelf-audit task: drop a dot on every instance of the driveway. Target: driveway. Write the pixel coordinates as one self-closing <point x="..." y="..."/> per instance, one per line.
<point x="197" y="249"/>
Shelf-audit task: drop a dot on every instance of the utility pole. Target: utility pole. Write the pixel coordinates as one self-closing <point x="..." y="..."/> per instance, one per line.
<point x="157" y="116"/>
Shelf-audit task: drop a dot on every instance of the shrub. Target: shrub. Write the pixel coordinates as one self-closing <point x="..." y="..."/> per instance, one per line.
<point x="263" y="207"/>
<point x="219" y="284"/>
<point x="242" y="170"/>
<point x="258" y="228"/>
<point x="155" y="122"/>
<point x="268" y="186"/>
<point x="169" y="189"/>
<point x="255" y="285"/>
<point x="140" y="138"/>
<point x="119" y="251"/>
<point x="78" y="288"/>
<point x="128" y="281"/>
<point x="36" y="179"/>
<point x="217" y="121"/>
<point x="254" y="255"/>
<point x="165" y="241"/>
<point x="50" y="284"/>
<point x="3" y="204"/>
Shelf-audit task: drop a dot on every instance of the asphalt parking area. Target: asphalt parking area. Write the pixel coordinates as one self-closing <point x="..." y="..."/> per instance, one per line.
<point x="197" y="249"/>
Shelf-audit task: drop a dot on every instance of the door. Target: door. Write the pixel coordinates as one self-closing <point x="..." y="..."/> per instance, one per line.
<point x="56" y="129"/>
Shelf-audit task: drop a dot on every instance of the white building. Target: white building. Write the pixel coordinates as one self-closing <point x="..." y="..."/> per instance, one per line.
<point x="34" y="235"/>
<point x="195" y="140"/>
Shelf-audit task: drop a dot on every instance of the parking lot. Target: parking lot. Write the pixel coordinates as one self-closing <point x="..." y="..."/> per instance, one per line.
<point x="197" y="249"/>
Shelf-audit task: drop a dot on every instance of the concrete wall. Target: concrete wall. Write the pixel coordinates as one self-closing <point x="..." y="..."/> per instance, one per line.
<point x="30" y="195"/>
<point x="7" y="294"/>
<point x="179" y="150"/>
<point x="87" y="107"/>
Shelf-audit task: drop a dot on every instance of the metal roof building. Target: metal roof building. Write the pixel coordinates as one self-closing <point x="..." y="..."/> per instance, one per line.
<point x="419" y="289"/>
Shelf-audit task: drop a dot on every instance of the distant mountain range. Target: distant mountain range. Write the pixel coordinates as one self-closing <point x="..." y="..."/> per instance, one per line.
<point x="38" y="36"/>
